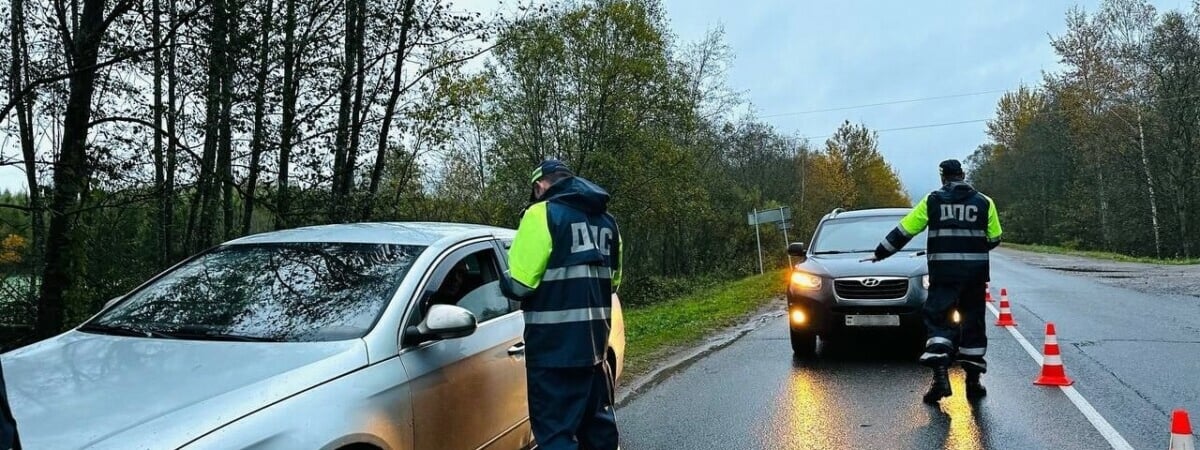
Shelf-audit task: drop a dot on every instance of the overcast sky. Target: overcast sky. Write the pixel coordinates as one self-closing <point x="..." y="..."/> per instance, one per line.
<point x="795" y="56"/>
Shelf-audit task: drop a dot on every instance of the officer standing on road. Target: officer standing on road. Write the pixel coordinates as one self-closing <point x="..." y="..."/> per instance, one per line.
<point x="963" y="228"/>
<point x="8" y="425"/>
<point x="565" y="265"/>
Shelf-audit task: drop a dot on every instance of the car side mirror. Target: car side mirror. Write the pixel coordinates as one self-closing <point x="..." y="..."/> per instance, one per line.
<point x="446" y="322"/>
<point x="797" y="249"/>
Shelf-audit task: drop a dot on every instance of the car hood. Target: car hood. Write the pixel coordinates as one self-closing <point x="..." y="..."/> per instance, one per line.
<point x="848" y="265"/>
<point x="82" y="390"/>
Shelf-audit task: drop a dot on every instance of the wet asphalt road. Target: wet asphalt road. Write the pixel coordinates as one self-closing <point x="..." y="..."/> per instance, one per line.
<point x="1134" y="357"/>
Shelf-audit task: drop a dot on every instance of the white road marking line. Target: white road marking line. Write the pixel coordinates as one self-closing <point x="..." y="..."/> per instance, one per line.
<point x="1106" y="429"/>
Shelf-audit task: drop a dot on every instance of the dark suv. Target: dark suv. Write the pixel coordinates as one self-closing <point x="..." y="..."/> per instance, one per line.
<point x="832" y="291"/>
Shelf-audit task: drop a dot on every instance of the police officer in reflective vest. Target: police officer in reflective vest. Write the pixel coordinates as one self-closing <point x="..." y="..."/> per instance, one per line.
<point x="565" y="264"/>
<point x="963" y="228"/>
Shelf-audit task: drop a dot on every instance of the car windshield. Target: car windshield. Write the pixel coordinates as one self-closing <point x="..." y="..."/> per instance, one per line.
<point x="859" y="235"/>
<point x="277" y="292"/>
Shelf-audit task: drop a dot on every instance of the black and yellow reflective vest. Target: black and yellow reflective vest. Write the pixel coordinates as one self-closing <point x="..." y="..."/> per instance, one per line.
<point x="564" y="265"/>
<point x="963" y="227"/>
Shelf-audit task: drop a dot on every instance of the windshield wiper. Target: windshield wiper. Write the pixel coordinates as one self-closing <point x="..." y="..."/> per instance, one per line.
<point x="118" y="330"/>
<point x="201" y="335"/>
<point x="840" y="252"/>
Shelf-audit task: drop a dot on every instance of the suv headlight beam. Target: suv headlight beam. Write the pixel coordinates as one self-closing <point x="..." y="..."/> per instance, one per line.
<point x="805" y="281"/>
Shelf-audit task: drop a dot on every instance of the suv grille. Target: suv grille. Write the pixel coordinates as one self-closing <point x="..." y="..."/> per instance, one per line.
<point x="886" y="289"/>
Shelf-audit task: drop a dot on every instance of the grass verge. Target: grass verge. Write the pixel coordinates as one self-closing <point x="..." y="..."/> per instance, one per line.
<point x="1099" y="255"/>
<point x="651" y="329"/>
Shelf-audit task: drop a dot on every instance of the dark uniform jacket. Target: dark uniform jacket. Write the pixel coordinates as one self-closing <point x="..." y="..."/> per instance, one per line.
<point x="565" y="265"/>
<point x="963" y="227"/>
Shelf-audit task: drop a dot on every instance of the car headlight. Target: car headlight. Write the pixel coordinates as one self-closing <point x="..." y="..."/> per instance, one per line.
<point x="798" y="317"/>
<point x="805" y="281"/>
<point x="925" y="281"/>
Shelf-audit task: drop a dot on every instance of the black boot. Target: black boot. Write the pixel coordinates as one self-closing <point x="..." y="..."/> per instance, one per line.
<point x="975" y="389"/>
<point x="940" y="387"/>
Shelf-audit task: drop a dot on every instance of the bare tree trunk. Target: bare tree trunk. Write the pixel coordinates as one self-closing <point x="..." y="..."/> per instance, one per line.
<point x="1181" y="213"/>
<point x="168" y="199"/>
<point x="1149" y="186"/>
<point x="347" y="183"/>
<point x="160" y="229"/>
<point x="388" y="111"/>
<point x="288" y="126"/>
<point x="341" y="141"/>
<point x="803" y="184"/>
<point x="24" y="109"/>
<point x="1103" y="198"/>
<point x="209" y="182"/>
<point x="256" y="139"/>
<point x="225" y="147"/>
<point x="71" y="168"/>
<point x="225" y="160"/>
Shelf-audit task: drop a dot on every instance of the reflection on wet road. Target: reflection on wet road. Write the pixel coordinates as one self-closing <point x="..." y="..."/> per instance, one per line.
<point x="1131" y="354"/>
<point x="862" y="393"/>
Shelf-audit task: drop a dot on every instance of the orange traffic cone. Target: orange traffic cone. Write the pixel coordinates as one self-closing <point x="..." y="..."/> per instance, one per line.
<point x="988" y="297"/>
<point x="1053" y="373"/>
<point x="1181" y="431"/>
<point x="1006" y="318"/>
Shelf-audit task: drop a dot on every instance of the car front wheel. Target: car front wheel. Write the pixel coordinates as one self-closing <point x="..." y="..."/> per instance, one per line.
<point x="804" y="343"/>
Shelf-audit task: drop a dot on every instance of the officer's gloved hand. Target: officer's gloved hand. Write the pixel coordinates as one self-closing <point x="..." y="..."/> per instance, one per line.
<point x="880" y="255"/>
<point x="506" y="286"/>
<point x="513" y="289"/>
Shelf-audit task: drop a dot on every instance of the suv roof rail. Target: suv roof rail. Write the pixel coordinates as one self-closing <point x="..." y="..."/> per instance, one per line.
<point x="835" y="212"/>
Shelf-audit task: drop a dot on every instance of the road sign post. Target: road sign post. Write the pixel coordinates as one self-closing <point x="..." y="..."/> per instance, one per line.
<point x="778" y="216"/>
<point x="757" y="240"/>
<point x="783" y="226"/>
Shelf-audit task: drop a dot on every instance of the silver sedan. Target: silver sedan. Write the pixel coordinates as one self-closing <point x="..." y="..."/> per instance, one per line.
<point x="362" y="336"/>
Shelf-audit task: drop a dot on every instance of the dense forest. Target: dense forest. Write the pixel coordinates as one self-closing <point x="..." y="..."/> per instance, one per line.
<point x="1105" y="153"/>
<point x="148" y="130"/>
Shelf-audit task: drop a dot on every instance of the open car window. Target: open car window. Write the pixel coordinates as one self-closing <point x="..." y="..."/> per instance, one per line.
<point x="472" y="282"/>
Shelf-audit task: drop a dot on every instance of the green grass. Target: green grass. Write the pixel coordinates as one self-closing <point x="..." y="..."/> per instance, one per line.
<point x="1099" y="255"/>
<point x="688" y="319"/>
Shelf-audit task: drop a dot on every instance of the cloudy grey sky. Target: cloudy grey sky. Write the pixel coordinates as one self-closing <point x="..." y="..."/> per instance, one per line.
<point x="796" y="56"/>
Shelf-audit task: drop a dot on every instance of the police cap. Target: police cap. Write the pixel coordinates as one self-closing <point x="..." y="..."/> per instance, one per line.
<point x="950" y="168"/>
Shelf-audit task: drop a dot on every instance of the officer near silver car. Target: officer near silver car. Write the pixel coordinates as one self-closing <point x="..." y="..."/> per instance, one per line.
<point x="564" y="266"/>
<point x="963" y="228"/>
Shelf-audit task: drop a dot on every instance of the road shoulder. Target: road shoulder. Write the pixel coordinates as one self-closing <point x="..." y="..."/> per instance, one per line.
<point x="670" y="360"/>
<point x="1161" y="279"/>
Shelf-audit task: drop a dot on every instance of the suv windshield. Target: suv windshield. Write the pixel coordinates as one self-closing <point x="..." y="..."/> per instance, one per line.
<point x="859" y="235"/>
<point x="277" y="292"/>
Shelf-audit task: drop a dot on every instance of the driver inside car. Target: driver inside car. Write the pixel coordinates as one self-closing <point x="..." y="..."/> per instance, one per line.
<point x="455" y="286"/>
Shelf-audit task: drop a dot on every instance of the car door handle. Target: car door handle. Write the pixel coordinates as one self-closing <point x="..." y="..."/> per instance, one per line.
<point x="518" y="349"/>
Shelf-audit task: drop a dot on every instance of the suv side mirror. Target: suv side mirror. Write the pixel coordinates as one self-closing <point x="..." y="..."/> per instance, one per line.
<point x="797" y="249"/>
<point x="445" y="322"/>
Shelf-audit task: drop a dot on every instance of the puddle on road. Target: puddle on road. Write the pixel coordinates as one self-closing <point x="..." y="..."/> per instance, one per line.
<point x="965" y="432"/>
<point x="814" y="411"/>
<point x="1086" y="270"/>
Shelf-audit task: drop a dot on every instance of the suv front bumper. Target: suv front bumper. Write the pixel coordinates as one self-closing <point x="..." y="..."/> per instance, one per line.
<point x="824" y="313"/>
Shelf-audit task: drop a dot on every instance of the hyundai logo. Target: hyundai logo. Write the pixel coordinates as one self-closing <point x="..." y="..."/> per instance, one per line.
<point x="870" y="282"/>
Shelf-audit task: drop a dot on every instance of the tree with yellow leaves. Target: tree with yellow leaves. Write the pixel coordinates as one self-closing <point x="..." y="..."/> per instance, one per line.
<point x="12" y="249"/>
